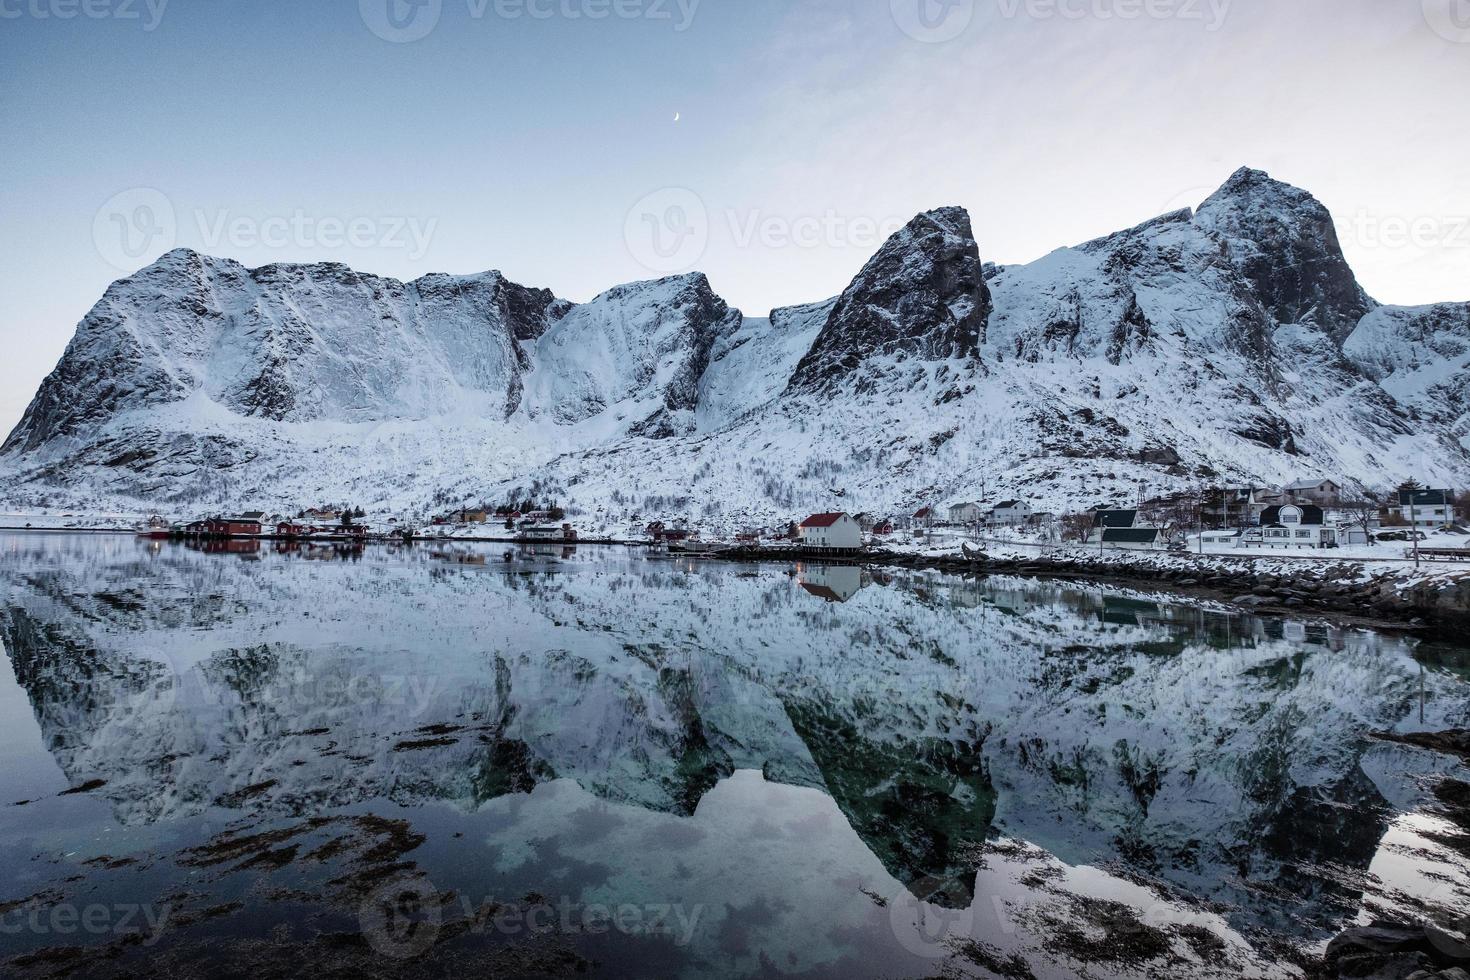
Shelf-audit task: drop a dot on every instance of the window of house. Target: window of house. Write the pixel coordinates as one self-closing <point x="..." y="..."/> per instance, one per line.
<point x="1304" y="534"/>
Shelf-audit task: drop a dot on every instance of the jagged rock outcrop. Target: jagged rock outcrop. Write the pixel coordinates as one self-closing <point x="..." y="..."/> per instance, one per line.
<point x="922" y="296"/>
<point x="1283" y="240"/>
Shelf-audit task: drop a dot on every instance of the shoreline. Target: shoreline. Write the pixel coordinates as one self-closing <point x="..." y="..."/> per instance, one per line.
<point x="1359" y="602"/>
<point x="1345" y="590"/>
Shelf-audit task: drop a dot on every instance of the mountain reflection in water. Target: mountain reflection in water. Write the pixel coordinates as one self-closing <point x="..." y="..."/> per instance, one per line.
<point x="1218" y="757"/>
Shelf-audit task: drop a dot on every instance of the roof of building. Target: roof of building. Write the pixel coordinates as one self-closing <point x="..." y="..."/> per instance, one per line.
<point x="822" y="520"/>
<point x="923" y="512"/>
<point x="965" y="504"/>
<point x="1424" y="498"/>
<point x="1115" y="518"/>
<point x="822" y="592"/>
<point x="1309" y="484"/>
<point x="1131" y="535"/>
<point x="1311" y="514"/>
<point x="1007" y="505"/>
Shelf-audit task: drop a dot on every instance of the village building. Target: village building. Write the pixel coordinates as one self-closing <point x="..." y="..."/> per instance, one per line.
<point x="831" y="533"/>
<point x="1323" y="493"/>
<point x="547" y="532"/>
<point x="866" y="521"/>
<point x="1226" y="507"/>
<point x="1110" y="520"/>
<point x="1009" y="513"/>
<point x="1427" y="508"/>
<point x="968" y="513"/>
<point x="1228" y="538"/>
<point x="923" y="517"/>
<point x="1292" y="526"/>
<point x="233" y="527"/>
<point x="1264" y="499"/>
<point x="1132" y="539"/>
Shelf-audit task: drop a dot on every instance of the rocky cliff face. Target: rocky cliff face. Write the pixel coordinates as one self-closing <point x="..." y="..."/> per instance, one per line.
<point x="1284" y="242"/>
<point x="922" y="296"/>
<point x="1232" y="344"/>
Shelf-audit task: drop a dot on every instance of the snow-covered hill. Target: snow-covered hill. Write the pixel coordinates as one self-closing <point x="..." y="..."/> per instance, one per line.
<point x="1232" y="343"/>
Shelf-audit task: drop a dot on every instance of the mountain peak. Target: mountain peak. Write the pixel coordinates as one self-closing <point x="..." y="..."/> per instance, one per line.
<point x="922" y="295"/>
<point x="1284" y="241"/>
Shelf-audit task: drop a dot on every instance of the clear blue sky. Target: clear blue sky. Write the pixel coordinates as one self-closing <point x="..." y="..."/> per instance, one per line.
<point x="514" y="135"/>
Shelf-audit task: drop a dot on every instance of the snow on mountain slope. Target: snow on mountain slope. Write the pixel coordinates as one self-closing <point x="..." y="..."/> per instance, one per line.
<point x="636" y="353"/>
<point x="1421" y="356"/>
<point x="1231" y="344"/>
<point x="751" y="366"/>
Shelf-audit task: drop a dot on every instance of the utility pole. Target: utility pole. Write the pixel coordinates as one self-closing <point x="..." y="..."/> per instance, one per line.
<point x="1414" y="526"/>
<point x="1200" y="519"/>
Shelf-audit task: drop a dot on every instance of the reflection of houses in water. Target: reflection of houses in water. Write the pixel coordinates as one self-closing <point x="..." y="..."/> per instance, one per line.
<point x="832" y="583"/>
<point x="547" y="550"/>
<point x="224" y="546"/>
<point x="453" y="557"/>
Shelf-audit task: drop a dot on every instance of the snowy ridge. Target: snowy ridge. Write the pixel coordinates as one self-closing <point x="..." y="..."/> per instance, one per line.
<point x="1232" y="344"/>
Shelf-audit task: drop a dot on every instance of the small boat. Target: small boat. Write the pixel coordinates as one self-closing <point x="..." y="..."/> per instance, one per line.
<point x="155" y="529"/>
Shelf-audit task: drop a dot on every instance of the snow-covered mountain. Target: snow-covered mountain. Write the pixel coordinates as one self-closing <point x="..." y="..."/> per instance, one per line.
<point x="1232" y="343"/>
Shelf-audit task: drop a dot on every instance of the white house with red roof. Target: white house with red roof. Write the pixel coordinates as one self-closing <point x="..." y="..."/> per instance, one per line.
<point x="830" y="532"/>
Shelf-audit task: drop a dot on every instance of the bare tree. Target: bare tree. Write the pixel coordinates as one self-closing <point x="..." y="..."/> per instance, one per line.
<point x="1076" y="527"/>
<point x="1175" y="514"/>
<point x="1366" y="508"/>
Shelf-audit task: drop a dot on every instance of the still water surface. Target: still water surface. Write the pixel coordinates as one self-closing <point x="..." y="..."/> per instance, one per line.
<point x="427" y="761"/>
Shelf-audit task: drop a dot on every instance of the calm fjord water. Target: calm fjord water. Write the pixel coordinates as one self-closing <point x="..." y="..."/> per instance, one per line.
<point x="422" y="761"/>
